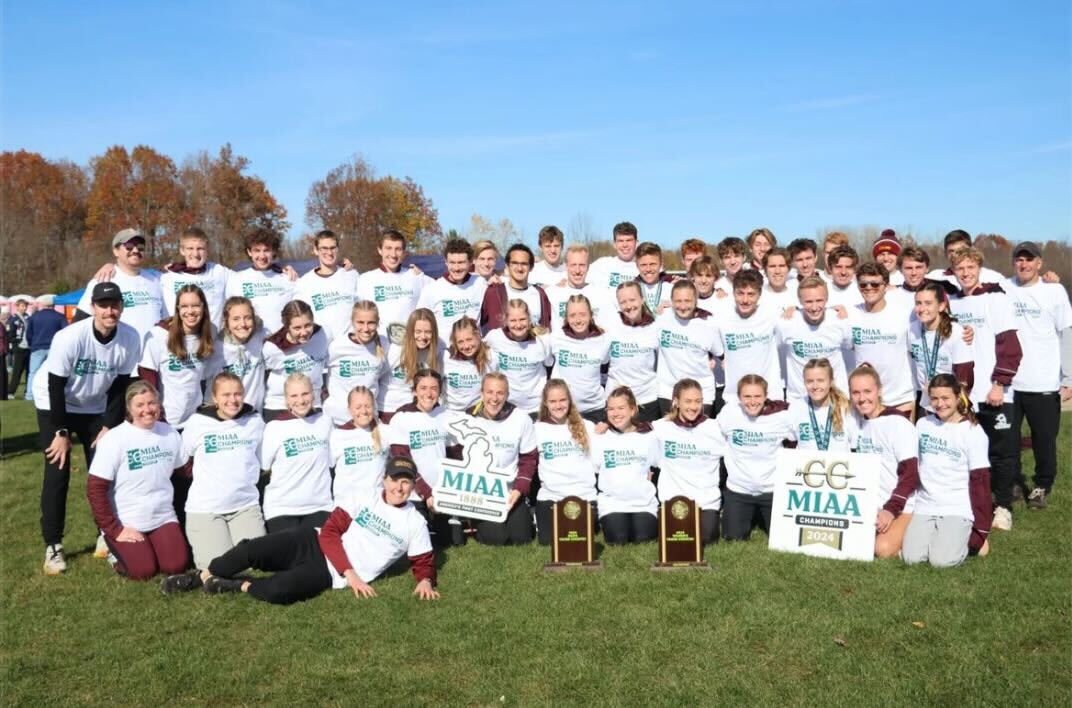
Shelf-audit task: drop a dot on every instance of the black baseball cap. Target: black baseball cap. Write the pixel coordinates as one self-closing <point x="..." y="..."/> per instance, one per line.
<point x="401" y="467"/>
<point x="1029" y="247"/>
<point x="106" y="291"/>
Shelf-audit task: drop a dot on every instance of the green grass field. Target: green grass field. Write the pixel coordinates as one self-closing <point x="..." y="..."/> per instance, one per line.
<point x="762" y="627"/>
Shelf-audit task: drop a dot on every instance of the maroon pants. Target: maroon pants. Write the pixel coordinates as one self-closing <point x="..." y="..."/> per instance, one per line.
<point x="163" y="550"/>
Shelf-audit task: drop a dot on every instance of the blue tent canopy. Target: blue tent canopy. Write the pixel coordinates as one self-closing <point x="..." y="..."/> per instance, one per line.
<point x="70" y="298"/>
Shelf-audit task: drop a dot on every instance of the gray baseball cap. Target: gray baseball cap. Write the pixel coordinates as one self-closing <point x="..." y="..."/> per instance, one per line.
<point x="127" y="235"/>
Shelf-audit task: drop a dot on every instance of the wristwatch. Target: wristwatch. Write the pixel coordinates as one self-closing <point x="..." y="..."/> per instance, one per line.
<point x="62" y="432"/>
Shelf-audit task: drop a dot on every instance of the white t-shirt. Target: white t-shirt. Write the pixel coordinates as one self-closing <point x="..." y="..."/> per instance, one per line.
<point x="246" y="361"/>
<point x="524" y="365"/>
<point x="531" y="296"/>
<point x="578" y="363"/>
<point x="227" y="463"/>
<point x="140" y="463"/>
<point x="89" y="366"/>
<point x="565" y="468"/>
<point x="843" y="440"/>
<point x="623" y="465"/>
<point x="351" y="365"/>
<point x="750" y="346"/>
<point x="804" y="341"/>
<point x="547" y="275"/>
<point x="510" y="437"/>
<point x="358" y="464"/>
<point x="612" y="271"/>
<point x="785" y="298"/>
<point x="604" y="306"/>
<point x="268" y="290"/>
<point x="450" y="302"/>
<point x="395" y="294"/>
<point x="213" y="282"/>
<point x="296" y="451"/>
<point x="947" y="454"/>
<point x="331" y="298"/>
<point x="989" y="314"/>
<point x="379" y="535"/>
<point x="633" y="353"/>
<point x="685" y="351"/>
<point x="848" y="296"/>
<point x="427" y="436"/>
<point x="657" y="294"/>
<point x="281" y="359"/>
<point x="180" y="379"/>
<point x="881" y="338"/>
<point x="893" y="438"/>
<point x="1042" y="312"/>
<point x="143" y="300"/>
<point x="462" y="381"/>
<point x="396" y="390"/>
<point x="921" y="346"/>
<point x="752" y="445"/>
<point x="986" y="275"/>
<point x="689" y="460"/>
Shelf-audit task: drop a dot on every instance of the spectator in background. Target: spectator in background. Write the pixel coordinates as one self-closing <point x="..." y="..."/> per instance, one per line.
<point x="20" y="349"/>
<point x="40" y="330"/>
<point x="3" y="355"/>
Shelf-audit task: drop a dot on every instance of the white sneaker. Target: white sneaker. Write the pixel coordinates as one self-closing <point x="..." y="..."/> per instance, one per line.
<point x="1002" y="519"/>
<point x="55" y="562"/>
<point x="101" y="551"/>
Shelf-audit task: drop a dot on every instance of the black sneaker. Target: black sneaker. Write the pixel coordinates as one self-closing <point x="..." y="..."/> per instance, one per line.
<point x="184" y="582"/>
<point x="1037" y="498"/>
<point x="216" y="585"/>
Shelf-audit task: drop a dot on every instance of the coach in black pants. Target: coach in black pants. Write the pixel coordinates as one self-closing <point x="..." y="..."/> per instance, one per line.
<point x="1043" y="414"/>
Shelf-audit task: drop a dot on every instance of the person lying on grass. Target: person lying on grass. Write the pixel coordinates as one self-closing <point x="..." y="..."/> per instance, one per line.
<point x="362" y="538"/>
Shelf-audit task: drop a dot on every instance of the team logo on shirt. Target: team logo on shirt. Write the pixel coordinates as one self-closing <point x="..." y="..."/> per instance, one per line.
<point x="138" y="298"/>
<point x="748" y="438"/>
<point x="811" y="350"/>
<point x="174" y="363"/>
<point x="356" y="455"/>
<point x="301" y="363"/>
<point x="239" y="368"/>
<point x="301" y="444"/>
<point x="558" y="448"/>
<point x="673" y="450"/>
<point x="90" y="367"/>
<point x="223" y="442"/>
<point x="376" y="525"/>
<point x="260" y="288"/>
<point x="871" y="335"/>
<point x="142" y="456"/>
<point x="206" y="286"/>
<point x="322" y="301"/>
<point x="673" y="340"/>
<point x="975" y="319"/>
<point x="570" y="359"/>
<point x="383" y="293"/>
<point x="1027" y="310"/>
<point x="930" y="444"/>
<point x="353" y="368"/>
<point x="626" y="350"/>
<point x="865" y="443"/>
<point x="614" y="280"/>
<point x="618" y="458"/>
<point x="424" y="438"/>
<point x="514" y="362"/>
<point x="743" y="340"/>
<point x="459" y="379"/>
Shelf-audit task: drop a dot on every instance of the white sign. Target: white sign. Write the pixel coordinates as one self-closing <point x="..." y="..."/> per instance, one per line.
<point x="825" y="504"/>
<point x="470" y="487"/>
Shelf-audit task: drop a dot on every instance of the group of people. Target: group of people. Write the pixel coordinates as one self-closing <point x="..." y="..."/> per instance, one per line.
<point x="297" y="425"/>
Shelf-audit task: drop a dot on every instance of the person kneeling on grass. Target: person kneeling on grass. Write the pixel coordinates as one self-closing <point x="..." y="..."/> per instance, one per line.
<point x="361" y="539"/>
<point x="130" y="492"/>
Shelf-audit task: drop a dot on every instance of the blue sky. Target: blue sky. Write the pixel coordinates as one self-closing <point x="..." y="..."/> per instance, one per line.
<point x="705" y="119"/>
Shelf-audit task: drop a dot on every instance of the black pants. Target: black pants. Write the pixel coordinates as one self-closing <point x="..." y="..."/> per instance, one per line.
<point x="739" y="512"/>
<point x="720" y="401"/>
<point x="58" y="479"/>
<point x="515" y="531"/>
<point x="3" y="377"/>
<point x="271" y="414"/>
<point x="1004" y="449"/>
<point x="20" y="366"/>
<point x="636" y="527"/>
<point x="545" y="522"/>
<point x="301" y="572"/>
<point x="1043" y="413"/>
<point x="596" y="415"/>
<point x="709" y="525"/>
<point x="280" y="524"/>
<point x="665" y="404"/>
<point x="649" y="412"/>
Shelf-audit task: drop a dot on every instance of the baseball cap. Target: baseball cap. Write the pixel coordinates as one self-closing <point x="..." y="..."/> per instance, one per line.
<point x="401" y="467"/>
<point x="887" y="242"/>
<point x="106" y="291"/>
<point x="127" y="235"/>
<point x="1027" y="246"/>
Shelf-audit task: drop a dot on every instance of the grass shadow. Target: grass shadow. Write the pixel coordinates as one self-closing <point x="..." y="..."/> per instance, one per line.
<point x="19" y="445"/>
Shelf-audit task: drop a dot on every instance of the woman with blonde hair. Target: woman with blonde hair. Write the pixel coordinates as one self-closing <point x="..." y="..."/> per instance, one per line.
<point x="420" y="349"/>
<point x="299" y="346"/>
<point x="581" y="350"/>
<point x="467" y="360"/>
<point x="358" y="448"/>
<point x="356" y="358"/>
<point x="240" y="349"/>
<point x="822" y="421"/>
<point x="634" y="350"/>
<point x="522" y="351"/>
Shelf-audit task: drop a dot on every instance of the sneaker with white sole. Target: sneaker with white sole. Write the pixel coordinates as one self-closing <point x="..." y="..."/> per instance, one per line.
<point x="1002" y="519"/>
<point x="101" y="551"/>
<point x="184" y="582"/>
<point x="216" y="585"/>
<point x="55" y="561"/>
<point x="1037" y="498"/>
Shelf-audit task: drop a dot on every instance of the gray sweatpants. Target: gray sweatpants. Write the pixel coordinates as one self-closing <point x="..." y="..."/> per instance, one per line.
<point x="212" y="535"/>
<point x="940" y="540"/>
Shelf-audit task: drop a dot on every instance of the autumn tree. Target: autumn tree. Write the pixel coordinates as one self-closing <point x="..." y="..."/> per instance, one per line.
<point x="42" y="218"/>
<point x="136" y="189"/>
<point x="227" y="203"/>
<point x="502" y="233"/>
<point x="357" y="205"/>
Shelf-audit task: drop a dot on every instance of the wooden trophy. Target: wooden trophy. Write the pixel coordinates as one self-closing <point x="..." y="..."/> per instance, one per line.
<point x="572" y="536"/>
<point x="680" y="540"/>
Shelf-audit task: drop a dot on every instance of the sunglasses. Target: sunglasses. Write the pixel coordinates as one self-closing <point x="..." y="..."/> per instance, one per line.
<point x="871" y="284"/>
<point x="133" y="244"/>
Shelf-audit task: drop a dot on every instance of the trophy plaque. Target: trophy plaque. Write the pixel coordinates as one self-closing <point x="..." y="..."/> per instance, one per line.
<point x="572" y="532"/>
<point x="680" y="540"/>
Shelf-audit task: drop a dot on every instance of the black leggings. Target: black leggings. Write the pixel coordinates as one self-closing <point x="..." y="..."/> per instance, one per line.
<point x="279" y="524"/>
<point x="1004" y="449"/>
<point x="516" y="530"/>
<point x="739" y="513"/>
<point x="624" y="527"/>
<point x="301" y="572"/>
